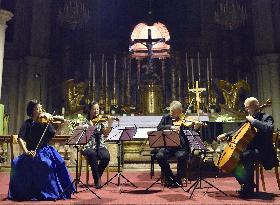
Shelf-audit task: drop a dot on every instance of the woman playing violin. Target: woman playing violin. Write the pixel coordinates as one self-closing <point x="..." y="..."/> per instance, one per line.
<point x="40" y="172"/>
<point x="169" y="122"/>
<point x="96" y="148"/>
<point x="260" y="148"/>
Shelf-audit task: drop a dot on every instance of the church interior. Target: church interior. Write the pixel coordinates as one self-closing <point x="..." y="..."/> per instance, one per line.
<point x="134" y="59"/>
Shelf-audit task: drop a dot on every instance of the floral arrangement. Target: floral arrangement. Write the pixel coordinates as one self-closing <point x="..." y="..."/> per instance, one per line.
<point x="225" y="118"/>
<point x="70" y="125"/>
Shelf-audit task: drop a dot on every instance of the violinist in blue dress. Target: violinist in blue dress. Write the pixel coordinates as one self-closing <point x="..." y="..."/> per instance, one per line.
<point x="40" y="172"/>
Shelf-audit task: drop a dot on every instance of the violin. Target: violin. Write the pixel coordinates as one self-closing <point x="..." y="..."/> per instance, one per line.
<point x="186" y="121"/>
<point x="183" y="121"/>
<point x="103" y="118"/>
<point x="46" y="118"/>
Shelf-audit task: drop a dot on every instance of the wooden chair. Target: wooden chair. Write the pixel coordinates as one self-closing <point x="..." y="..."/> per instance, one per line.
<point x="80" y="164"/>
<point x="170" y="160"/>
<point x="11" y="140"/>
<point x="259" y="168"/>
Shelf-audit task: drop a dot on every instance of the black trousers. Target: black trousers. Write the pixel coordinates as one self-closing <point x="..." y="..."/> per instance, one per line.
<point x="93" y="155"/>
<point x="244" y="172"/>
<point x="164" y="154"/>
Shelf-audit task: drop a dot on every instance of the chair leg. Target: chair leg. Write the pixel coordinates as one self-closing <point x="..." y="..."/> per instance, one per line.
<point x="257" y="166"/>
<point x="152" y="171"/>
<point x="162" y="181"/>
<point x="80" y="164"/>
<point x="107" y="171"/>
<point x="262" y="177"/>
<point x="87" y="173"/>
<point x="277" y="177"/>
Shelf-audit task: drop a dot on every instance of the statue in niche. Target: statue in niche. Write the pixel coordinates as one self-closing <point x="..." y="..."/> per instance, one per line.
<point x="75" y="93"/>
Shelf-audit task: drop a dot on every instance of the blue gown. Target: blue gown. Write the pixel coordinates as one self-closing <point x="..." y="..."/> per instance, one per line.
<point x="44" y="177"/>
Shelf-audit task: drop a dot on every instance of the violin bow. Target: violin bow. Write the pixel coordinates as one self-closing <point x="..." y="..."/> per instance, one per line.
<point x="45" y="130"/>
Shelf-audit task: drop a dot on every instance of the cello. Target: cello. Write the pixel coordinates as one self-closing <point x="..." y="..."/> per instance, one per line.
<point x="230" y="157"/>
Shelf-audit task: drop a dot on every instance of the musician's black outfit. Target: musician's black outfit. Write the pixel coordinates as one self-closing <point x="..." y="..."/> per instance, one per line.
<point x="44" y="177"/>
<point x="261" y="149"/>
<point x="181" y="153"/>
<point x="95" y="151"/>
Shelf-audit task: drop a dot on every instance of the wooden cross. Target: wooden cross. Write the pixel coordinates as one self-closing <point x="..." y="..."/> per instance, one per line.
<point x="197" y="92"/>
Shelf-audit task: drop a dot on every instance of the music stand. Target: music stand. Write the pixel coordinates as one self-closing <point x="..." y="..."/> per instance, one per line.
<point x="196" y="144"/>
<point x="164" y="139"/>
<point x="126" y="134"/>
<point x="80" y="136"/>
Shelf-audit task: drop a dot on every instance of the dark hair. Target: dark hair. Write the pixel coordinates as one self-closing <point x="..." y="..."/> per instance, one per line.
<point x="30" y="107"/>
<point x="88" y="108"/>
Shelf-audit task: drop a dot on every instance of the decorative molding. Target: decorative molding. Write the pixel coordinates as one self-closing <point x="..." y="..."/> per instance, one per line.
<point x="5" y="16"/>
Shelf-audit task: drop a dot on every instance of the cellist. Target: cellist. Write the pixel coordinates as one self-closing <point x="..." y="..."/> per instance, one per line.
<point x="260" y="148"/>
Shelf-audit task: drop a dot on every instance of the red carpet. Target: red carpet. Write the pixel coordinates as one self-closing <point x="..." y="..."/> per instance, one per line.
<point x="157" y="195"/>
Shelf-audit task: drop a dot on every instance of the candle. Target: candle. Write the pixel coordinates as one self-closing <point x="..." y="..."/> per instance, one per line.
<point x="187" y="66"/>
<point x="89" y="70"/>
<point x="207" y="69"/>
<point x="192" y="72"/>
<point x="102" y="72"/>
<point x="115" y="67"/>
<point x="211" y="68"/>
<point x="198" y="64"/>
<point x="93" y="73"/>
<point x="63" y="110"/>
<point x="106" y="74"/>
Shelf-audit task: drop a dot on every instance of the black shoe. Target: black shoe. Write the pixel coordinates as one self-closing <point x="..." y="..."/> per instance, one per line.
<point x="170" y="183"/>
<point x="178" y="180"/>
<point x="246" y="191"/>
<point x="97" y="184"/>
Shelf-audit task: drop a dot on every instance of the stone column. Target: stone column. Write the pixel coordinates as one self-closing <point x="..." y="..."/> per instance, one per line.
<point x="274" y="66"/>
<point x="268" y="85"/>
<point x="4" y="17"/>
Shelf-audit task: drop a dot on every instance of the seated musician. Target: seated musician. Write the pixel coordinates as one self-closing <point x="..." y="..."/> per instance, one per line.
<point x="38" y="174"/>
<point x="96" y="149"/>
<point x="260" y="148"/>
<point x="181" y="152"/>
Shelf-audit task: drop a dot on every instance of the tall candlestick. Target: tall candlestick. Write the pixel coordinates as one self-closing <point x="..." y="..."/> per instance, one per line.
<point x="106" y="74"/>
<point x="93" y="73"/>
<point x="192" y="72"/>
<point x="207" y="69"/>
<point x="198" y="65"/>
<point x="211" y="68"/>
<point x="102" y="72"/>
<point x="89" y="69"/>
<point x="187" y="66"/>
<point x="115" y="66"/>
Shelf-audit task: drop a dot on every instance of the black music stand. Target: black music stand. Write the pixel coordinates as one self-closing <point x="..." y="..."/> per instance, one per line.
<point x="164" y="139"/>
<point x="81" y="136"/>
<point x="126" y="134"/>
<point x="196" y="144"/>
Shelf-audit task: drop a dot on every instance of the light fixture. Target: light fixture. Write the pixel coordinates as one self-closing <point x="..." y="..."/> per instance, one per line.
<point x="230" y="14"/>
<point x="74" y="14"/>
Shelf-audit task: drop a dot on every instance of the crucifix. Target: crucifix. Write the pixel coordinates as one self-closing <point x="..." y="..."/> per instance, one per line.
<point x="197" y="92"/>
<point x="149" y="42"/>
